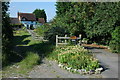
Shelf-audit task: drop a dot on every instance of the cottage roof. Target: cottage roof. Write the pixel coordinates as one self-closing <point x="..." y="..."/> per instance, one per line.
<point x="27" y="16"/>
<point x="14" y="21"/>
<point x="41" y="20"/>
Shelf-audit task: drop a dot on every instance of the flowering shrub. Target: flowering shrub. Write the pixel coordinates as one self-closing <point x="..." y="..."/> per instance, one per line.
<point x="77" y="57"/>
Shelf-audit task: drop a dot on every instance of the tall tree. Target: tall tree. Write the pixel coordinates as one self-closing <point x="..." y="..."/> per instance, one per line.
<point x="94" y="20"/>
<point x="62" y="8"/>
<point x="7" y="33"/>
<point x="72" y="16"/>
<point x="103" y="22"/>
<point x="40" y="14"/>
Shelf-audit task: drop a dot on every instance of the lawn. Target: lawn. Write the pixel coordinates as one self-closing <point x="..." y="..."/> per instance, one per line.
<point x="24" y="56"/>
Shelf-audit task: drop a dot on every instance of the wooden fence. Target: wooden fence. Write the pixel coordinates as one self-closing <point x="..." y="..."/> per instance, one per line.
<point x="65" y="38"/>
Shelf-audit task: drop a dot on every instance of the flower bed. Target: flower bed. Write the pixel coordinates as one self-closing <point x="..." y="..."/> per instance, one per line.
<point x="77" y="59"/>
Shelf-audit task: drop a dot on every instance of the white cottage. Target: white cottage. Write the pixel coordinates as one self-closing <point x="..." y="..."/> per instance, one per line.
<point x="27" y="19"/>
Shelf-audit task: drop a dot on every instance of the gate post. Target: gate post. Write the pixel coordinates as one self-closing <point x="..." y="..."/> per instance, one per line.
<point x="56" y="40"/>
<point x="65" y="39"/>
<point x="80" y="36"/>
<point x="80" y="41"/>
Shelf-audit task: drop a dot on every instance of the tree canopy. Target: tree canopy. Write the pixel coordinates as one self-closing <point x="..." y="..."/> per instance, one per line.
<point x="7" y="34"/>
<point x="93" y="20"/>
<point x="40" y="14"/>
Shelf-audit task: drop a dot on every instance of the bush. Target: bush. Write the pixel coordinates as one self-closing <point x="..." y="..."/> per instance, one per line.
<point x="41" y="30"/>
<point x="16" y="26"/>
<point x="51" y="33"/>
<point x="76" y="57"/>
<point x="115" y="42"/>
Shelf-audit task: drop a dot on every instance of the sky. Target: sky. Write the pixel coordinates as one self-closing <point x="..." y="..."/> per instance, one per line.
<point x="29" y="7"/>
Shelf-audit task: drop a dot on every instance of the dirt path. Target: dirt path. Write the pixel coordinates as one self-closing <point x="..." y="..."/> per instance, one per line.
<point x="35" y="36"/>
<point x="50" y="69"/>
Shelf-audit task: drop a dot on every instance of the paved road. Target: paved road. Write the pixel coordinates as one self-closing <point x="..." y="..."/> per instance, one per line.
<point x="109" y="61"/>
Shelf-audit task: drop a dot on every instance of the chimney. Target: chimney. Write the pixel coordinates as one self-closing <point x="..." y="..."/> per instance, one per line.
<point x="19" y="16"/>
<point x="18" y="13"/>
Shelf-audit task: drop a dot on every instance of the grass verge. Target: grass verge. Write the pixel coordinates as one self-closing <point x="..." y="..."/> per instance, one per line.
<point x="24" y="56"/>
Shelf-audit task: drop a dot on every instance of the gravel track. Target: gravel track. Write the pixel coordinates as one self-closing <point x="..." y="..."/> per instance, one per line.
<point x="50" y="69"/>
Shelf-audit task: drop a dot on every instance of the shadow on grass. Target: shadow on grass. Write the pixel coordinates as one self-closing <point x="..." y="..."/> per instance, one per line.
<point x="20" y="52"/>
<point x="18" y="40"/>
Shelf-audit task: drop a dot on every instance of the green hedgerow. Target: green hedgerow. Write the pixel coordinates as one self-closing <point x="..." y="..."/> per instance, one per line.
<point x="115" y="42"/>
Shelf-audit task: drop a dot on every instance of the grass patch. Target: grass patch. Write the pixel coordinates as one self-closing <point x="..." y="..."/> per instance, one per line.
<point x="28" y="63"/>
<point x="24" y="57"/>
<point x="22" y="68"/>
